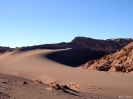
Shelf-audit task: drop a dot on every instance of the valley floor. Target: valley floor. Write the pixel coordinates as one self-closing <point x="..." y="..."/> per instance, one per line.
<point x="29" y="75"/>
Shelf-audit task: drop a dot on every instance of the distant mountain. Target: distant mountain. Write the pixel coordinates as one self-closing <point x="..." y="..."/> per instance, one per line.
<point x="122" y="61"/>
<point x="83" y="49"/>
<point x="107" y="46"/>
<point x="4" y="49"/>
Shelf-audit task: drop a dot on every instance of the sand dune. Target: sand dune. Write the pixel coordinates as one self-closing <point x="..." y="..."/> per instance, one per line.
<point x="34" y="65"/>
<point x="75" y="57"/>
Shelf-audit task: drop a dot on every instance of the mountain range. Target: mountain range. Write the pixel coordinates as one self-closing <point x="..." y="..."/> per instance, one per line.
<point x="89" y="53"/>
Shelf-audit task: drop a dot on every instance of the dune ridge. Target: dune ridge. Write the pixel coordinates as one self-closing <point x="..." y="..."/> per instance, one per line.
<point x="34" y="65"/>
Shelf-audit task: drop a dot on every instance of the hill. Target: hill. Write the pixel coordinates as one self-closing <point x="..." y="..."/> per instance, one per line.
<point x="4" y="49"/>
<point x="83" y="49"/>
<point x="122" y="61"/>
<point x="108" y="46"/>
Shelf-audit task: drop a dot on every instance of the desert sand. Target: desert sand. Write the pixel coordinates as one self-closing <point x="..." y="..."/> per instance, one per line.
<point x="29" y="74"/>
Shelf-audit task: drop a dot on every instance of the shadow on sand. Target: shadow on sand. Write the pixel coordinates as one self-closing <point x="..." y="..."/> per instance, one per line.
<point x="75" y="57"/>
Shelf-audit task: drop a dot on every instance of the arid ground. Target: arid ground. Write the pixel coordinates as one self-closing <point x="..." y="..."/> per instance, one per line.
<point x="32" y="75"/>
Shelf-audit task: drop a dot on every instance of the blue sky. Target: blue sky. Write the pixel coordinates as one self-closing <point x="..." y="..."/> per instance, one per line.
<point x="33" y="22"/>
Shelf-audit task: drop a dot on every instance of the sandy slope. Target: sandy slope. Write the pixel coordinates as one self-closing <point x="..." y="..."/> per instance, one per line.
<point x="34" y="65"/>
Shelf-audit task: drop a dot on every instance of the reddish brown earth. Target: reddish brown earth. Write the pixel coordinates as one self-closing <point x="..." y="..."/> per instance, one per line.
<point x="47" y="79"/>
<point x="108" y="46"/>
<point x="122" y="61"/>
<point x="83" y="49"/>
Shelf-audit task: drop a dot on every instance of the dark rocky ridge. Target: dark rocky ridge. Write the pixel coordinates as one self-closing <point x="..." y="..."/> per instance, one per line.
<point x="4" y="49"/>
<point x="122" y="61"/>
<point x="109" y="45"/>
<point x="83" y="49"/>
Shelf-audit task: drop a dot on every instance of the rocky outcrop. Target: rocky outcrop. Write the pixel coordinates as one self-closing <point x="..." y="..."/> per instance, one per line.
<point x="4" y="49"/>
<point x="122" y="61"/>
<point x="109" y="45"/>
<point x="83" y="49"/>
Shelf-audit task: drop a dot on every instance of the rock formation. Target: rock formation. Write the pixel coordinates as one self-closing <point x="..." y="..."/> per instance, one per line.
<point x="109" y="45"/>
<point x="121" y="61"/>
<point x="83" y="49"/>
<point x="4" y="49"/>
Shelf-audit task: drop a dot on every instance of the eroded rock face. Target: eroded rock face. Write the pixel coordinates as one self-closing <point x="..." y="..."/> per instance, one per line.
<point x="83" y="49"/>
<point x="117" y="68"/>
<point x="121" y="61"/>
<point x="109" y="45"/>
